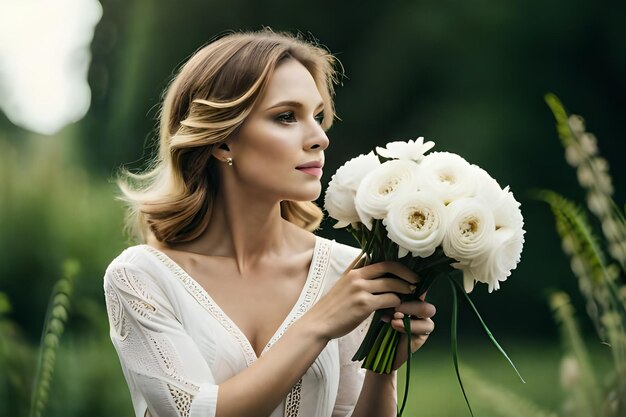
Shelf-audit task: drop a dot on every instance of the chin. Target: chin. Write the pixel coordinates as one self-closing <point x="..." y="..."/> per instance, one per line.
<point x="306" y="194"/>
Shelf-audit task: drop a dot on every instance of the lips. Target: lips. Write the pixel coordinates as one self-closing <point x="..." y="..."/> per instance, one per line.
<point x="313" y="168"/>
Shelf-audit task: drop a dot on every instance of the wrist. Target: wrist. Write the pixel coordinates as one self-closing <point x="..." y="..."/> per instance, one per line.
<point x="381" y="377"/>
<point x="313" y="330"/>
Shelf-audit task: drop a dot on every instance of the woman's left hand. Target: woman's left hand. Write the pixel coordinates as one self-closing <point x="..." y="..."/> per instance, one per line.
<point x="421" y="327"/>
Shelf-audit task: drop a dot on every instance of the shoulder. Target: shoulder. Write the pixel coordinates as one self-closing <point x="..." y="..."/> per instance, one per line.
<point x="134" y="257"/>
<point x="340" y="256"/>
<point x="135" y="263"/>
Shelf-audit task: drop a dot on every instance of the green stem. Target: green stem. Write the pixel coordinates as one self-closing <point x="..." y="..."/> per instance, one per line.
<point x="493" y="339"/>
<point x="371" y="355"/>
<point x="407" y="329"/>
<point x="374" y="330"/>
<point x="453" y="339"/>
<point x="383" y="347"/>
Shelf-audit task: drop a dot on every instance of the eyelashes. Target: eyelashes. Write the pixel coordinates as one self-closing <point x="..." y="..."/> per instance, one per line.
<point x="290" y="117"/>
<point x="286" y="117"/>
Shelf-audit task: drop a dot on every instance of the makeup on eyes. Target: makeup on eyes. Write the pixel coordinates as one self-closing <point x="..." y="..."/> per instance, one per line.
<point x="290" y="117"/>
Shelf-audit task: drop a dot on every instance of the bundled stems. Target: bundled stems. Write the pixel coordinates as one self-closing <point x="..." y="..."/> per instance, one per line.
<point x="379" y="347"/>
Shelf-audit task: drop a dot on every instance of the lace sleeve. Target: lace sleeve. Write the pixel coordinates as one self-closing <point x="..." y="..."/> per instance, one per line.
<point x="165" y="371"/>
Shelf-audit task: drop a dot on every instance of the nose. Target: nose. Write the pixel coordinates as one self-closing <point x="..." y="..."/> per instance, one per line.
<point x="317" y="140"/>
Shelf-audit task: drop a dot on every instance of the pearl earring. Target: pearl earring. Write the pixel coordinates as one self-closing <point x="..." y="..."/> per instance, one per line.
<point x="229" y="161"/>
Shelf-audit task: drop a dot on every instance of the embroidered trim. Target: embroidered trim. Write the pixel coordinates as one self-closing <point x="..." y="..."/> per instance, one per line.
<point x="182" y="400"/>
<point x="114" y="309"/>
<point x="206" y="301"/>
<point x="292" y="403"/>
<point x="317" y="273"/>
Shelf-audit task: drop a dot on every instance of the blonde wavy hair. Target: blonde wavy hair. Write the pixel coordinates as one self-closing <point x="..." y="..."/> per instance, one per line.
<point x="207" y="102"/>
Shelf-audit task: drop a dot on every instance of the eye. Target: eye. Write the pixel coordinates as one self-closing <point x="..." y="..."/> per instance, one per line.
<point x="319" y="117"/>
<point x="286" y="117"/>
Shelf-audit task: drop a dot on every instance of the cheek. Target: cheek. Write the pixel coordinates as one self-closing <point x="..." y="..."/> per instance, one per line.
<point x="270" y="144"/>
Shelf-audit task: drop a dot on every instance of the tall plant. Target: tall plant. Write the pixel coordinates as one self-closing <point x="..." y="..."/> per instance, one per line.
<point x="56" y="317"/>
<point x="601" y="276"/>
<point x="598" y="261"/>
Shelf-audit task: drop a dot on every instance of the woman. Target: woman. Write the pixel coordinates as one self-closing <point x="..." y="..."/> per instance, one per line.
<point x="232" y="307"/>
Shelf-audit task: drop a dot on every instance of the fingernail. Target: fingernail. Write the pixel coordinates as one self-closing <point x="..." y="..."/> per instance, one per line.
<point x="398" y="315"/>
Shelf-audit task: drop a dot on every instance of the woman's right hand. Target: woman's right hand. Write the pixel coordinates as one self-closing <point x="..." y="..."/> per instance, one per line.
<point x="358" y="293"/>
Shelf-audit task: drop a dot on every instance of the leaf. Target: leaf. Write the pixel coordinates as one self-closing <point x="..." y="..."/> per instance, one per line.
<point x="493" y="339"/>
<point x="52" y="331"/>
<point x="596" y="282"/>
<point x="453" y="339"/>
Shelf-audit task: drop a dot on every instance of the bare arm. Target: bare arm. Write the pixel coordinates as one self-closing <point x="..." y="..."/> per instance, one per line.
<point x="162" y="362"/>
<point x="378" y="396"/>
<point x="259" y="389"/>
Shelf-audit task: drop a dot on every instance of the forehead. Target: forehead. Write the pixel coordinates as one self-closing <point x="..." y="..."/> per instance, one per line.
<point x="291" y="81"/>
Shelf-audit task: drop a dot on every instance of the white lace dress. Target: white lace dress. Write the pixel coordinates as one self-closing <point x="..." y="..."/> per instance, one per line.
<point x="176" y="345"/>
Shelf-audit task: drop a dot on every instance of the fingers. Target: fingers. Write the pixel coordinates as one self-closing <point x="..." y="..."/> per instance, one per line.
<point x="419" y="327"/>
<point x="417" y="308"/>
<point x="420" y="313"/>
<point x="385" y="268"/>
<point x="385" y="300"/>
<point x="381" y="285"/>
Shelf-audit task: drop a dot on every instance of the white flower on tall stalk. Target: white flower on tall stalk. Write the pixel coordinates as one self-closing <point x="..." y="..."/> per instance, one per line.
<point x="574" y="155"/>
<point x="448" y="176"/>
<point x="413" y="150"/>
<point x="417" y="223"/>
<point x="598" y="203"/>
<point x="588" y="143"/>
<point x="569" y="372"/>
<point x="585" y="176"/>
<point x="341" y="191"/>
<point x="469" y="234"/>
<point x="576" y="123"/>
<point x="382" y="186"/>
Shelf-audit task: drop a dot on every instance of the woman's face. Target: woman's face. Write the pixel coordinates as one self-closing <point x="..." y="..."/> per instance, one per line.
<point x="279" y="150"/>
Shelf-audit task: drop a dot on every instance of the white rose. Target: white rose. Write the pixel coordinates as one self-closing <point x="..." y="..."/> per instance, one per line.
<point x="447" y="175"/>
<point x="508" y="237"/>
<point x="501" y="258"/>
<point x="417" y="223"/>
<point x="339" y="197"/>
<point x="470" y="230"/>
<point x="380" y="187"/>
<point x="505" y="208"/>
<point x="506" y="212"/>
<point x="487" y="189"/>
<point x="468" y="277"/>
<point x="413" y="150"/>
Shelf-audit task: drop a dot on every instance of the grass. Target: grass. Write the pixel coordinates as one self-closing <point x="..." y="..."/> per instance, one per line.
<point x="435" y="392"/>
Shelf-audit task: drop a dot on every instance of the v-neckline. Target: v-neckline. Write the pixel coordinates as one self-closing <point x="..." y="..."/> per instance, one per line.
<point x="308" y="295"/>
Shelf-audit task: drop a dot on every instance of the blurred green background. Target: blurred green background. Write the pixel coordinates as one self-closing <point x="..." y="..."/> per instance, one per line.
<point x="469" y="75"/>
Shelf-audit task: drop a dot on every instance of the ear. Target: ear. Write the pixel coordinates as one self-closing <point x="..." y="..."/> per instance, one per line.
<point x="221" y="152"/>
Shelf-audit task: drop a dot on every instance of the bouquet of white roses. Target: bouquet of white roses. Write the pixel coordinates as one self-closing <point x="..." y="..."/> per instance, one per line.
<point x="450" y="216"/>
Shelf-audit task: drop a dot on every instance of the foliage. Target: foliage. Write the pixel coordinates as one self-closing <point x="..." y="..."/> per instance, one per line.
<point x="16" y="364"/>
<point x="52" y="210"/>
<point x="56" y="317"/>
<point x="600" y="279"/>
<point x="504" y="402"/>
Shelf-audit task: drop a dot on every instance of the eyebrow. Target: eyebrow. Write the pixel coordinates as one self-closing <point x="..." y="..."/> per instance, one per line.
<point x="291" y="103"/>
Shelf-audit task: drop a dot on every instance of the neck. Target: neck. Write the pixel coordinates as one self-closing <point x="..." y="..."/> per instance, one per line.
<point x="244" y="227"/>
